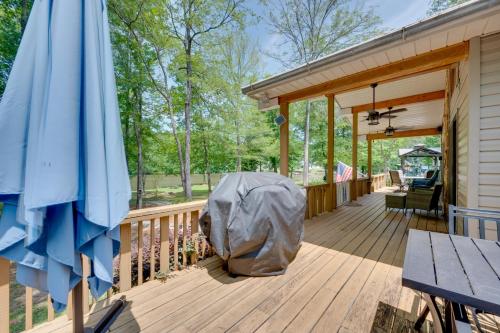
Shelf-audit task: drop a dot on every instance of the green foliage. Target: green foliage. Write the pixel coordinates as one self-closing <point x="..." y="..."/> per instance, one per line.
<point x="436" y="6"/>
<point x="13" y="15"/>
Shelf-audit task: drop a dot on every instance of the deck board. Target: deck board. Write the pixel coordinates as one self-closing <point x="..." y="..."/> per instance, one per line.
<point x="349" y="263"/>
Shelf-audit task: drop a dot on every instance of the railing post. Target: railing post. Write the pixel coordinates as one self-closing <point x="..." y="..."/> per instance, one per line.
<point x="284" y="138"/>
<point x="354" y="186"/>
<point x="165" y="243"/>
<point x="330" y="152"/>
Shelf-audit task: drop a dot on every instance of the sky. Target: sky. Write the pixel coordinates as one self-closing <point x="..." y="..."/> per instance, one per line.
<point x="394" y="14"/>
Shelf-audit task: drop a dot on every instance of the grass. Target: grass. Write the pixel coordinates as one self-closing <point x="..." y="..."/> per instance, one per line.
<point x="169" y="195"/>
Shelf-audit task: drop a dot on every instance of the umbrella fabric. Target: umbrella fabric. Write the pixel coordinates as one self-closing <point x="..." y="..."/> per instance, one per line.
<point x="63" y="174"/>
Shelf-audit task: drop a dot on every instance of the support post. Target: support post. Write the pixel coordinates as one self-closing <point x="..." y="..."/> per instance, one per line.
<point x="331" y="197"/>
<point x="354" y="185"/>
<point x="369" y="189"/>
<point x="284" y="139"/>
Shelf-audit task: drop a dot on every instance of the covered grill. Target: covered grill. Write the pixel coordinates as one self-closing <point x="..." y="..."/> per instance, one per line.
<point x="255" y="222"/>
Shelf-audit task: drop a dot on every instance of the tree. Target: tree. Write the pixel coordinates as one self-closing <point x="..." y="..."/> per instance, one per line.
<point x="312" y="29"/>
<point x="436" y="6"/>
<point x="190" y="20"/>
<point x="13" y="15"/>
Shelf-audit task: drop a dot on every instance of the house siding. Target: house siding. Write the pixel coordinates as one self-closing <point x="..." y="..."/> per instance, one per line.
<point x="459" y="109"/>
<point x="489" y="129"/>
<point x="489" y="148"/>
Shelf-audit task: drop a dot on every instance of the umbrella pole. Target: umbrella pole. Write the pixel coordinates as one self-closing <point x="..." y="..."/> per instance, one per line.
<point x="78" y="308"/>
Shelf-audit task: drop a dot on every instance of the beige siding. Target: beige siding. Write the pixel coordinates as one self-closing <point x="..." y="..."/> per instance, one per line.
<point x="489" y="150"/>
<point x="488" y="195"/>
<point x="459" y="107"/>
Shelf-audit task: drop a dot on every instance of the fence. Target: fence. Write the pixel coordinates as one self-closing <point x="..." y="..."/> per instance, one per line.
<point x="156" y="227"/>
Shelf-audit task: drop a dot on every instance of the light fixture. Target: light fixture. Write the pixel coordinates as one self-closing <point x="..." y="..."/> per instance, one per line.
<point x="389" y="131"/>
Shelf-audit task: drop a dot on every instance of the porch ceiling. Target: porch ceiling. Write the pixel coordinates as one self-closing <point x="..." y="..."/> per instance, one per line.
<point x="421" y="115"/>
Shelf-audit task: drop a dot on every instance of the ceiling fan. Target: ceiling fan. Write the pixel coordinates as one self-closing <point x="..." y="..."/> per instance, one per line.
<point x="390" y="130"/>
<point x="374" y="116"/>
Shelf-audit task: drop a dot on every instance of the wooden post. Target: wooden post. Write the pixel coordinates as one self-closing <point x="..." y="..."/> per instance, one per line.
<point x="331" y="197"/>
<point x="369" y="187"/>
<point x="354" y="185"/>
<point x="284" y="139"/>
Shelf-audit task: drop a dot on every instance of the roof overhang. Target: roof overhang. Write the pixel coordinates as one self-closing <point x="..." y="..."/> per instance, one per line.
<point x="428" y="45"/>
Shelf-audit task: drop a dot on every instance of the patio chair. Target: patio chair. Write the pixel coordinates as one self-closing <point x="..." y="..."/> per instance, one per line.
<point x="424" y="199"/>
<point x="396" y="179"/>
<point x="425" y="183"/>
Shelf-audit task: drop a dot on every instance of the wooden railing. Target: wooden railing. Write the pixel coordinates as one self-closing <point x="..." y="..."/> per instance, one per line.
<point x="378" y="181"/>
<point x="323" y="198"/>
<point x="320" y="198"/>
<point x="362" y="186"/>
<point x="155" y="227"/>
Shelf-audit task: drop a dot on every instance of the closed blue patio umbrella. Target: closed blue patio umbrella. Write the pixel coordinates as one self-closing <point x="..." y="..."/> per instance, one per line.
<point x="63" y="173"/>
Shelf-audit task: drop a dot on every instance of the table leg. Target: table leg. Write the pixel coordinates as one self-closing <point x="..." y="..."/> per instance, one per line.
<point x="431" y="307"/>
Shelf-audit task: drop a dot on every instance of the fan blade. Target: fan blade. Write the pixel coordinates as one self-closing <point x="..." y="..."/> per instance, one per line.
<point x="387" y="116"/>
<point x="394" y="111"/>
<point x="404" y="128"/>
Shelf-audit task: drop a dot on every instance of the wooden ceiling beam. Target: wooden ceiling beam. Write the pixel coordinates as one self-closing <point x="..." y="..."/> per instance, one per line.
<point x="425" y="62"/>
<point x="405" y="134"/>
<point x="430" y="96"/>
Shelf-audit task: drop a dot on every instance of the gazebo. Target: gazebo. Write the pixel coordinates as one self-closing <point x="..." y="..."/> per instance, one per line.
<point x="419" y="151"/>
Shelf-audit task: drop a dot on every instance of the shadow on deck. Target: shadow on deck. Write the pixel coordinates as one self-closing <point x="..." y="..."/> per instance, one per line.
<point x="346" y="278"/>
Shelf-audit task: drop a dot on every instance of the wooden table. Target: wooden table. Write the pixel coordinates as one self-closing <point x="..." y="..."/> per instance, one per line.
<point x="461" y="270"/>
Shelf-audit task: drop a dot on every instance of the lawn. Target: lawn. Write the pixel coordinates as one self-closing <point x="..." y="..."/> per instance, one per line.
<point x="169" y="195"/>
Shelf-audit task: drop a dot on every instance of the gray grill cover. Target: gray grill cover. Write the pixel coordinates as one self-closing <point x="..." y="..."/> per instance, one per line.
<point x="255" y="221"/>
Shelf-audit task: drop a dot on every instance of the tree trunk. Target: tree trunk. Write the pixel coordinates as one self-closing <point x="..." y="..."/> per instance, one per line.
<point x="24" y="14"/>
<point x="207" y="163"/>
<point x="187" y="115"/>
<point x="238" y="143"/>
<point x="305" y="174"/>
<point x="140" y="161"/>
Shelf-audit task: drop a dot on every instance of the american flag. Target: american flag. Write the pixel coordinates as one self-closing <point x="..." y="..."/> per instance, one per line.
<point x="344" y="172"/>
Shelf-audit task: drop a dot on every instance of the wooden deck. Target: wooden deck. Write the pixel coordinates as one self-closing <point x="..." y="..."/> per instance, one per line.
<point x="348" y="268"/>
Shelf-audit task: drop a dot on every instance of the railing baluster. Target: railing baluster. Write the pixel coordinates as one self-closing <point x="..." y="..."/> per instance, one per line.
<point x="466" y="226"/>
<point x="4" y="295"/>
<point x="50" y="309"/>
<point x="140" y="252"/>
<point x="176" y="242"/>
<point x="194" y="235"/>
<point x="69" y="308"/>
<point x="185" y="218"/>
<point x="164" y="243"/>
<point x="482" y="232"/>
<point x="152" y="259"/>
<point x="125" y="257"/>
<point x="85" y="285"/>
<point x="28" y="311"/>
